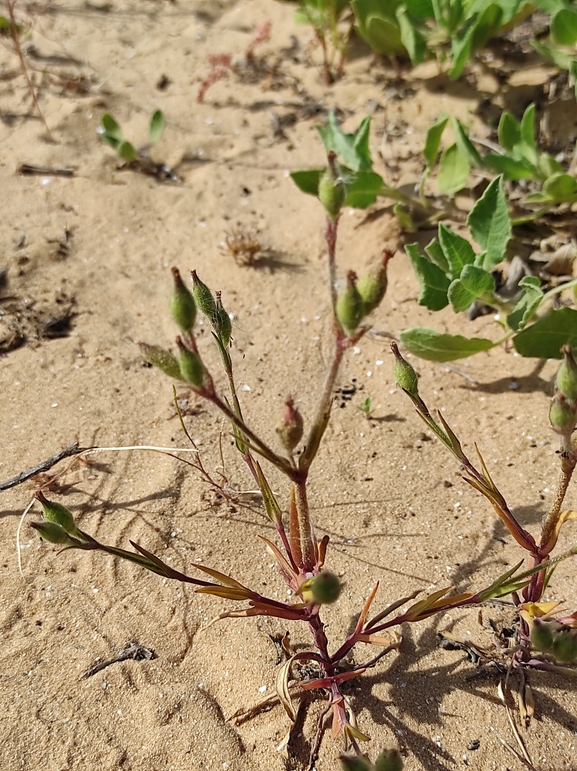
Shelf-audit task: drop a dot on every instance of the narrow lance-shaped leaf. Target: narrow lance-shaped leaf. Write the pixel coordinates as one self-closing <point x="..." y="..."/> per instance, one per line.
<point x="157" y="126"/>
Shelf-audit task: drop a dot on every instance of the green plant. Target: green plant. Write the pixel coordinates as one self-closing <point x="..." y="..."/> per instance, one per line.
<point x="299" y="555"/>
<point x="326" y="18"/>
<point x="366" y="407"/>
<point x="561" y="48"/>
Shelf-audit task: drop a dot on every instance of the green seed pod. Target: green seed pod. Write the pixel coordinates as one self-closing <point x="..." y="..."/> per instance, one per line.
<point x="565" y="645"/>
<point x="290" y="426"/>
<point x="350" y="307"/>
<point x="541" y="635"/>
<point x="182" y="305"/>
<point x="204" y="299"/>
<point x="389" y="760"/>
<point x="405" y="375"/>
<point x="162" y="359"/>
<point x="326" y="588"/>
<point x="372" y="285"/>
<point x="53" y="533"/>
<point x="59" y="514"/>
<point x="223" y="324"/>
<point x="566" y="380"/>
<point x="562" y="415"/>
<point x="332" y="191"/>
<point x="191" y="367"/>
<point x="355" y="763"/>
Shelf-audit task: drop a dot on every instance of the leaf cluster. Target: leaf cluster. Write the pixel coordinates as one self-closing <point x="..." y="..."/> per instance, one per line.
<point x="111" y="133"/>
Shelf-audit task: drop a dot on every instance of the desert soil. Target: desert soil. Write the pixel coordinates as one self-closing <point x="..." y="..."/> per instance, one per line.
<point x="87" y="262"/>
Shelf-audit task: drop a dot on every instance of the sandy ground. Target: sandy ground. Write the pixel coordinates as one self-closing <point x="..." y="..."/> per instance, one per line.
<point x="88" y="260"/>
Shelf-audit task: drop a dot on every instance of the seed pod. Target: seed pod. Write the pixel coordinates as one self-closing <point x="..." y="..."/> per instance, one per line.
<point x="162" y="359"/>
<point x="326" y="588"/>
<point x="53" y="533"/>
<point x="355" y="763"/>
<point x="389" y="760"/>
<point x="332" y="191"/>
<point x="562" y="415"/>
<point x="204" y="299"/>
<point x="191" y="367"/>
<point x="405" y="375"/>
<point x="566" y="380"/>
<point x="182" y="305"/>
<point x="59" y="514"/>
<point x="290" y="426"/>
<point x="223" y="324"/>
<point x="541" y="635"/>
<point x="372" y="285"/>
<point x="350" y="307"/>
<point x="565" y="645"/>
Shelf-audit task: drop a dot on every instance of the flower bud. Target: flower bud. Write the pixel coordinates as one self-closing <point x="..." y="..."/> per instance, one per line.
<point x="566" y="380"/>
<point x="350" y="307"/>
<point x="332" y="191"/>
<point x="541" y="635"/>
<point x="191" y="367"/>
<point x="290" y="426"/>
<point x="59" y="514"/>
<point x="405" y="375"/>
<point x="162" y="359"/>
<point x="204" y="298"/>
<point x="222" y="324"/>
<point x="182" y="305"/>
<point x="326" y="588"/>
<point x="565" y="645"/>
<point x="372" y="285"/>
<point x="562" y="415"/>
<point x="53" y="533"/>
<point x="389" y="760"/>
<point x="355" y="763"/>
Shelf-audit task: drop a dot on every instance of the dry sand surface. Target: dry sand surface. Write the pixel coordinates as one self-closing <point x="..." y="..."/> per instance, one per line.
<point x="88" y="261"/>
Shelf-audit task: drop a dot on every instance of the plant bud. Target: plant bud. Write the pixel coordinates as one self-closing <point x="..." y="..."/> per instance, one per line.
<point x="332" y="191"/>
<point x="182" y="305"/>
<point x="53" y="533"/>
<point x="326" y="588"/>
<point x="389" y="760"/>
<point x="355" y="763"/>
<point x="372" y="285"/>
<point x="350" y="307"/>
<point x="405" y="375"/>
<point x="562" y="415"/>
<point x="565" y="645"/>
<point x="162" y="359"/>
<point x="191" y="367"/>
<point x="541" y="635"/>
<point x="290" y="427"/>
<point x="223" y="324"/>
<point x="566" y="380"/>
<point x="59" y="514"/>
<point x="204" y="298"/>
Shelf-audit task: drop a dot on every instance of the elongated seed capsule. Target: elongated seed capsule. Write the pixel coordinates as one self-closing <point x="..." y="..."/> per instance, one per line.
<point x="350" y="306"/>
<point x="372" y="285"/>
<point x="162" y="359"/>
<point x="204" y="298"/>
<point x="332" y="191"/>
<point x="223" y="326"/>
<point x="59" y="514"/>
<point x="405" y="375"/>
<point x="562" y="415"/>
<point x="389" y="760"/>
<point x="541" y="635"/>
<point x="355" y="763"/>
<point x="290" y="426"/>
<point x="191" y="367"/>
<point x="565" y="645"/>
<point x="566" y="380"/>
<point x="182" y="305"/>
<point x="53" y="533"/>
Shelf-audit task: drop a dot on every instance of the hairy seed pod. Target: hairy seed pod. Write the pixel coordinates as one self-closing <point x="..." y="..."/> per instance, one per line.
<point x="355" y="763"/>
<point x="326" y="588"/>
<point x="372" y="285"/>
<point x="191" y="367"/>
<point x="53" y="533"/>
<point x="566" y="380"/>
<point x="162" y="359"/>
<point x="332" y="191"/>
<point x="562" y="415"/>
<point x="59" y="514"/>
<point x="290" y="427"/>
<point x="389" y="760"/>
<point x="223" y="326"/>
<point x="350" y="308"/>
<point x="565" y="645"/>
<point x="182" y="305"/>
<point x="204" y="298"/>
<point x="541" y="635"/>
<point x="405" y="375"/>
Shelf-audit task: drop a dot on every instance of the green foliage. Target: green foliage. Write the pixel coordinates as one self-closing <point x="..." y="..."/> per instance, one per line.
<point x="324" y="16"/>
<point x="561" y="47"/>
<point x="111" y="133"/>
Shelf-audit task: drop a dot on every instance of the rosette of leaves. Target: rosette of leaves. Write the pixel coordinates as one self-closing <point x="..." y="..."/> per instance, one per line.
<point x="112" y="134"/>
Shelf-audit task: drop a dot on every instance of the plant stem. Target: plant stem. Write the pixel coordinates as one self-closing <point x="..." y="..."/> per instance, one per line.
<point x="567" y="468"/>
<point x="305" y="527"/>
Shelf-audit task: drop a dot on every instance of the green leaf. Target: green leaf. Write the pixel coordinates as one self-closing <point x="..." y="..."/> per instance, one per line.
<point x="307" y="181"/>
<point x="559" y="58"/>
<point x="377" y="24"/>
<point x="465" y="145"/>
<point x="157" y="126"/>
<point x="435" y="346"/>
<point x="411" y="36"/>
<point x="544" y="339"/>
<point x="509" y="131"/>
<point x="126" y="151"/>
<point x="548" y="166"/>
<point x="353" y="149"/>
<point x="527" y="304"/>
<point x="111" y="127"/>
<point x="453" y="171"/>
<point x="404" y="218"/>
<point x="511" y="168"/>
<point x="564" y="27"/>
<point x="474" y="283"/>
<point x="490" y="223"/>
<point x="362" y="189"/>
<point x="434" y="283"/>
<point x="435" y="252"/>
<point x="561" y="188"/>
<point x="487" y="25"/>
<point x="528" y="143"/>
<point x="433" y="139"/>
<point x="457" y="250"/>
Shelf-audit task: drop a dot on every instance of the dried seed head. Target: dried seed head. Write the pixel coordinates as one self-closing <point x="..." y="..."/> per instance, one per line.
<point x="326" y="588"/>
<point x="566" y="381"/>
<point x="162" y="359"/>
<point x="182" y="305"/>
<point x="191" y="367"/>
<point x="372" y="285"/>
<point x="332" y="191"/>
<point x="389" y="760"/>
<point x="350" y="307"/>
<point x="405" y="375"/>
<point x="245" y="245"/>
<point x="290" y="426"/>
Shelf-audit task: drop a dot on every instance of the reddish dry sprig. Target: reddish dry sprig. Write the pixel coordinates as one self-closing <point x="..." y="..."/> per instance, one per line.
<point x="262" y="35"/>
<point x="219" y="71"/>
